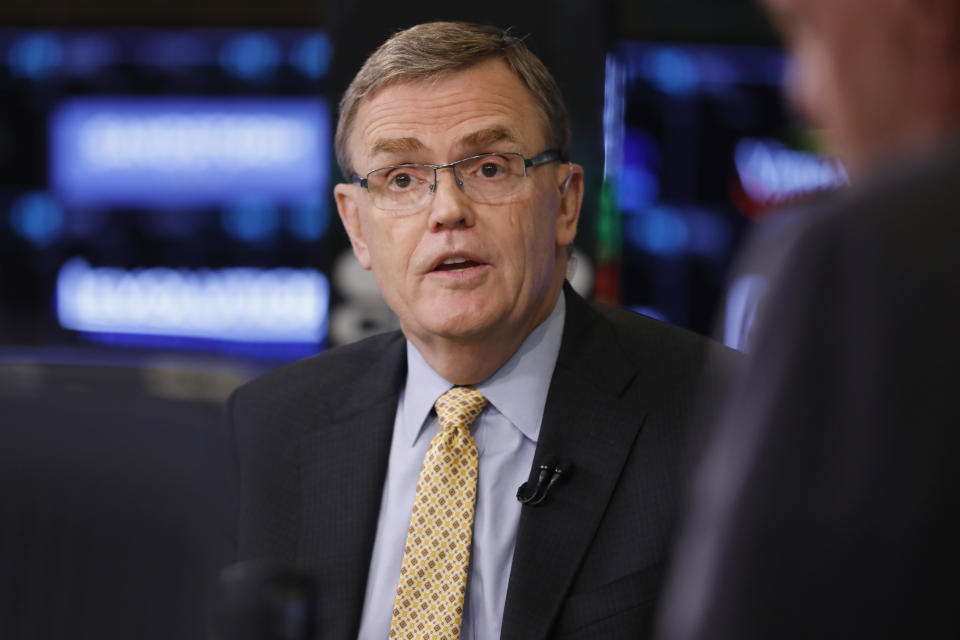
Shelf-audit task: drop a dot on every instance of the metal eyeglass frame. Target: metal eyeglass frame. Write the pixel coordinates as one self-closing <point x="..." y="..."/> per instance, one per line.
<point x="550" y="155"/>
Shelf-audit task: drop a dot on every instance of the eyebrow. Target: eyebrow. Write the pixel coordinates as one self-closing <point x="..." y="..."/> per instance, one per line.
<point x="481" y="138"/>
<point x="486" y="137"/>
<point x="395" y="145"/>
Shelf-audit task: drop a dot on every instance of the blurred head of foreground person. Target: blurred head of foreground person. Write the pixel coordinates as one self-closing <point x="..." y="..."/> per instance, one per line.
<point x="824" y="502"/>
<point x="460" y="196"/>
<point x="880" y="77"/>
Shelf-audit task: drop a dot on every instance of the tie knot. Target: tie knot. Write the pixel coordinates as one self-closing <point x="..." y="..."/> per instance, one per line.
<point x="459" y="407"/>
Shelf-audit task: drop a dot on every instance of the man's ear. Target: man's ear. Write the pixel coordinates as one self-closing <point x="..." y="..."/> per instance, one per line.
<point x="571" y="198"/>
<point x="349" y="210"/>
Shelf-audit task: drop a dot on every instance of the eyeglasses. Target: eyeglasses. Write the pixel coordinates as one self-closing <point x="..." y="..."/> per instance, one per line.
<point x="488" y="178"/>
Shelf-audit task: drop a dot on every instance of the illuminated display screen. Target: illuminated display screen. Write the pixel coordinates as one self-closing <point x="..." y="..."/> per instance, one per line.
<point x="698" y="146"/>
<point x="187" y="152"/>
<point x="241" y="304"/>
<point x="770" y="173"/>
<point x="167" y="188"/>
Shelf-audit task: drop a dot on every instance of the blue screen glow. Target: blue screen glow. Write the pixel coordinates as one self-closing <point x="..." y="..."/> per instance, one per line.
<point x="37" y="218"/>
<point x="35" y="55"/>
<point x="771" y="173"/>
<point x="312" y="54"/>
<point x="187" y="152"/>
<point x="251" y="55"/>
<point x="238" y="304"/>
<point x="308" y="220"/>
<point x="251" y="220"/>
<point x="684" y="68"/>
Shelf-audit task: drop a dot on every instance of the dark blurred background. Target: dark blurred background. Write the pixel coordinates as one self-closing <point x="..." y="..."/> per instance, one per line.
<point x="166" y="168"/>
<point x="167" y="231"/>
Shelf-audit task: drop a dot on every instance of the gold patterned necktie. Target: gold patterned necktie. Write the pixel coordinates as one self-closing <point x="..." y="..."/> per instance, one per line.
<point x="433" y="575"/>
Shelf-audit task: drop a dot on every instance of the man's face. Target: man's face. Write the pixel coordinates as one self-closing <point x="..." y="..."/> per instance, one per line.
<point x="514" y="249"/>
<point x="856" y="71"/>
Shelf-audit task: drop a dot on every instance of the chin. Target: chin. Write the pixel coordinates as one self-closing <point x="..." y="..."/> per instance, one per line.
<point x="461" y="328"/>
<point x="465" y="323"/>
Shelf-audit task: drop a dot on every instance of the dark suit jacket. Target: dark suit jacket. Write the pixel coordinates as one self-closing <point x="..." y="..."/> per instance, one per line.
<point x="826" y="504"/>
<point x="312" y="441"/>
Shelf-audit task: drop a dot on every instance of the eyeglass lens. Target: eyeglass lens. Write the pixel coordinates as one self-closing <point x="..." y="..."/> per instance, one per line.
<point x="485" y="179"/>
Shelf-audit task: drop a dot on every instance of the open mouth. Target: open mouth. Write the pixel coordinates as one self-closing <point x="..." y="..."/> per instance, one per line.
<point x="456" y="264"/>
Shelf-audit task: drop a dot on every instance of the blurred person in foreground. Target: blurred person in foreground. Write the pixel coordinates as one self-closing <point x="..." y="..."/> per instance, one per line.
<point x="462" y="199"/>
<point x="824" y="506"/>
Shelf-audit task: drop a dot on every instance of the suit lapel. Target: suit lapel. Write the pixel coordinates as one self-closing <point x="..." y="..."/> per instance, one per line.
<point x="344" y="462"/>
<point x="590" y="421"/>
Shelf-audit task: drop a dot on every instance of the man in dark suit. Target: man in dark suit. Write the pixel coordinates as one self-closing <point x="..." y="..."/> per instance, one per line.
<point x="463" y="203"/>
<point x="824" y="507"/>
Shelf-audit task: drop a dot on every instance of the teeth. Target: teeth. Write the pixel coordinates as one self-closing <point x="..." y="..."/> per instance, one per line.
<point x="456" y="260"/>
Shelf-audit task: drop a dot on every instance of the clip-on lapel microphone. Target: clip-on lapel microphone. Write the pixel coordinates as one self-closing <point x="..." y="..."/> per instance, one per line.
<point x="551" y="470"/>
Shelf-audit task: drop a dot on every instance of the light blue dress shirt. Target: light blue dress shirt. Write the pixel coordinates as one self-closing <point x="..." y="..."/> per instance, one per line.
<point x="506" y="434"/>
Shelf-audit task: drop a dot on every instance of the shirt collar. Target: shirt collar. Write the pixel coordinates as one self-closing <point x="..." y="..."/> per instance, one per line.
<point x="518" y="389"/>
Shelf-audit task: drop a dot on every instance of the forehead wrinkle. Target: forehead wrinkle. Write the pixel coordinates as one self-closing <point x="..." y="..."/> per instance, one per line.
<point x="445" y="117"/>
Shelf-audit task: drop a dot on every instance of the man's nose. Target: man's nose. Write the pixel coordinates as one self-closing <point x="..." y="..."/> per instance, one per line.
<point x="450" y="207"/>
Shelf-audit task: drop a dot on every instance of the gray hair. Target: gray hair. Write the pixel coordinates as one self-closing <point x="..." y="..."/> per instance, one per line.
<point x="436" y="49"/>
